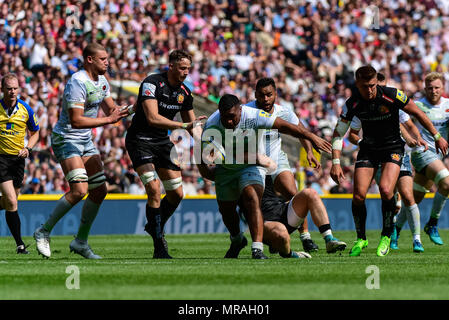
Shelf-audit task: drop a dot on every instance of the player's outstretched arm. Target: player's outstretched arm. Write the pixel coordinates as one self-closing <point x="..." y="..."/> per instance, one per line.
<point x="440" y="143"/>
<point x="301" y="132"/>
<point x="79" y="121"/>
<point x="154" y="119"/>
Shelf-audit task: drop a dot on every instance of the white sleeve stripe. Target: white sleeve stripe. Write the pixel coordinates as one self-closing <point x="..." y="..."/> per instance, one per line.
<point x="74" y="107"/>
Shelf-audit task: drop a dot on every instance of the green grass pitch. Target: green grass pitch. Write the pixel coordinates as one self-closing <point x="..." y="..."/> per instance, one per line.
<point x="199" y="271"/>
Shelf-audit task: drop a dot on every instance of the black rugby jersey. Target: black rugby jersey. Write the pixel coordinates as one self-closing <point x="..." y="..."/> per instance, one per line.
<point x="170" y="101"/>
<point x="379" y="117"/>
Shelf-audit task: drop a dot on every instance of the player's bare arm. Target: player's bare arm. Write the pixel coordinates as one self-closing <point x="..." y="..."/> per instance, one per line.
<point x="300" y="132"/>
<point x="337" y="145"/>
<point x="79" y="121"/>
<point x="440" y="143"/>
<point x="150" y="108"/>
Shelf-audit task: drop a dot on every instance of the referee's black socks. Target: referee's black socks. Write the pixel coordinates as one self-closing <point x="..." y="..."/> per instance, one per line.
<point x="13" y="222"/>
<point x="359" y="215"/>
<point x="388" y="208"/>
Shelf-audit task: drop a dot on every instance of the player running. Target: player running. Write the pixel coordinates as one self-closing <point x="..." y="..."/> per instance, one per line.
<point x="428" y="164"/>
<point x="233" y="125"/>
<point x="404" y="185"/>
<point x="377" y="108"/>
<point x="161" y="97"/>
<point x="283" y="178"/>
<point x="71" y="140"/>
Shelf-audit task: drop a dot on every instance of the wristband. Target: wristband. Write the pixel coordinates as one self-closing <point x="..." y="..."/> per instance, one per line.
<point x="184" y="125"/>
<point x="335" y="161"/>
<point x="358" y="142"/>
<point x="29" y="149"/>
<point x="437" y="136"/>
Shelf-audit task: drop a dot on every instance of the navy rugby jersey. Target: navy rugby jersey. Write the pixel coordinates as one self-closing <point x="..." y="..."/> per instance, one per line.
<point x="379" y="117"/>
<point x="170" y="100"/>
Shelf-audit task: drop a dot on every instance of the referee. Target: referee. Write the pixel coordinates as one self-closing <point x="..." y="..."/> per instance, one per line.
<point x="16" y="117"/>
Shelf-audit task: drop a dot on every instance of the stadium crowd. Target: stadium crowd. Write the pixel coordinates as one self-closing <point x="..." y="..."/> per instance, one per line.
<point x="310" y="47"/>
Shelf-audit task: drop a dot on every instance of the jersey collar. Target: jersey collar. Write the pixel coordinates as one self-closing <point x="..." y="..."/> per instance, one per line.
<point x="16" y="107"/>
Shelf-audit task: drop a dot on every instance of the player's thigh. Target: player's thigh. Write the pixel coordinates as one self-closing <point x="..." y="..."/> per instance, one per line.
<point x="362" y="181"/>
<point x="285" y="184"/>
<point x="388" y="177"/>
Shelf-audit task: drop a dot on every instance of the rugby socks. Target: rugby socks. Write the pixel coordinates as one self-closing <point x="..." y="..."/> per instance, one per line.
<point x="401" y="218"/>
<point x="257" y="245"/>
<point x="326" y="232"/>
<point x="154" y="225"/>
<point x="438" y="203"/>
<point x="304" y="236"/>
<point x="413" y="221"/>
<point x="359" y="215"/>
<point x="167" y="210"/>
<point x="62" y="207"/>
<point x="13" y="222"/>
<point x="88" y="214"/>
<point x="236" y="239"/>
<point x="388" y="208"/>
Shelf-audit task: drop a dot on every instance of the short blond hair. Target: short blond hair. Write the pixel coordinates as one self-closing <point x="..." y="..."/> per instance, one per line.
<point x="7" y="77"/>
<point x="434" y="76"/>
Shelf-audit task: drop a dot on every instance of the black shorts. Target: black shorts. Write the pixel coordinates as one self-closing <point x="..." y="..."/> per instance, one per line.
<point x="368" y="158"/>
<point x="278" y="214"/>
<point x="12" y="168"/>
<point x="142" y="151"/>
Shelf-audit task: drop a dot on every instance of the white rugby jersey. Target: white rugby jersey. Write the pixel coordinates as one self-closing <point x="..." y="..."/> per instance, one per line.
<point x="251" y="120"/>
<point x="273" y="137"/>
<point x="439" y="115"/>
<point x="83" y="93"/>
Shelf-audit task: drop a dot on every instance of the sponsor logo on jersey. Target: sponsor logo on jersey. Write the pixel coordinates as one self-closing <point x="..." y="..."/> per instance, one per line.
<point x="104" y="88"/>
<point x="148" y="90"/>
<point x="264" y="114"/>
<point x="401" y="96"/>
<point x="395" y="156"/>
<point x="161" y="84"/>
<point x="180" y="98"/>
<point x="383" y="109"/>
<point x="447" y="110"/>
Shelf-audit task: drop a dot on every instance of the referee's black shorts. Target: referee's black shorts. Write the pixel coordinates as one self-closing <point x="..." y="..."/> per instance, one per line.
<point x="12" y="168"/>
<point x="142" y="151"/>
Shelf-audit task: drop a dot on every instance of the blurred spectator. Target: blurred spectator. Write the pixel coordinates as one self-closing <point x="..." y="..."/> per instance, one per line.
<point x="311" y="48"/>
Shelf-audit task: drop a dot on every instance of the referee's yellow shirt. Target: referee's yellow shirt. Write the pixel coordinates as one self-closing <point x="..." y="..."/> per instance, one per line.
<point x="13" y="127"/>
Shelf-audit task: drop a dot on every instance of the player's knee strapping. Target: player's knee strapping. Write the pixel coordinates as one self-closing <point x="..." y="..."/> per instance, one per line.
<point x="77" y="176"/>
<point x="172" y="184"/>
<point x="96" y="180"/>
<point x="420" y="188"/>
<point x="292" y="218"/>
<point x="147" y="177"/>
<point x="441" y="175"/>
